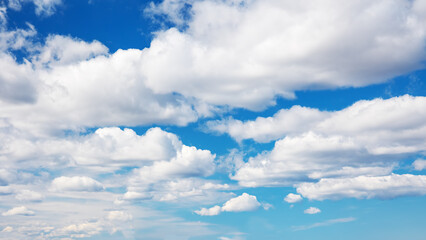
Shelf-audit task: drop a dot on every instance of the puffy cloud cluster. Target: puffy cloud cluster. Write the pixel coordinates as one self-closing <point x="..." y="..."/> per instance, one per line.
<point x="42" y="7"/>
<point x="371" y="121"/>
<point x="365" y="187"/>
<point x="244" y="202"/>
<point x="226" y="55"/>
<point x="365" y="139"/>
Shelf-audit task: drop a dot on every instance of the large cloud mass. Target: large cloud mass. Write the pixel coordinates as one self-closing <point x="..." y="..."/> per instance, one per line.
<point x="244" y="53"/>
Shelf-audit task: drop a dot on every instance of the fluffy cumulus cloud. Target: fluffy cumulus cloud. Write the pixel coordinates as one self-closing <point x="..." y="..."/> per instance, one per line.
<point x="103" y="150"/>
<point x="61" y="77"/>
<point x="377" y="121"/>
<point x="77" y="183"/>
<point x="22" y="210"/>
<point x="293" y="198"/>
<point x="419" y="164"/>
<point x="69" y="89"/>
<point x="244" y="202"/>
<point x="312" y="210"/>
<point x="227" y="55"/>
<point x="365" y="187"/>
<point x="365" y="139"/>
<point x="308" y="157"/>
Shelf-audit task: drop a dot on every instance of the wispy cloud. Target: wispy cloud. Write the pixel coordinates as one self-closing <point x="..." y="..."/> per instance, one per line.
<point x="323" y="224"/>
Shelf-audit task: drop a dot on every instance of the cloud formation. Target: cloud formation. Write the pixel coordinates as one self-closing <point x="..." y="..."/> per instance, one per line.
<point x="312" y="210"/>
<point x="226" y="55"/>
<point x="76" y="183"/>
<point x="369" y="138"/>
<point x="22" y="210"/>
<point x="243" y="203"/>
<point x="365" y="187"/>
<point x="293" y="198"/>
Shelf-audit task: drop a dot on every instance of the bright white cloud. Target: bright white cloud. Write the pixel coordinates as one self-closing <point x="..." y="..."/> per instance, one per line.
<point x="188" y="162"/>
<point x="71" y="90"/>
<point x="365" y="187"/>
<point x="419" y="164"/>
<point x="61" y="50"/>
<point x="293" y="198"/>
<point x="309" y="156"/>
<point x="76" y="183"/>
<point x="284" y="122"/>
<point x="228" y="56"/>
<point x="243" y="203"/>
<point x="312" y="210"/>
<point x="213" y="211"/>
<point x="22" y="210"/>
<point x="105" y="149"/>
<point x="345" y="143"/>
<point x="389" y="126"/>
<point x="42" y="7"/>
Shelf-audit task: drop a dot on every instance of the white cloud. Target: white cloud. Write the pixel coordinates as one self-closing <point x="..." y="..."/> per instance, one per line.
<point x="7" y="229"/>
<point x="345" y="143"/>
<point x="188" y="162"/>
<point x="324" y="223"/>
<point x="243" y="203"/>
<point x="419" y="164"/>
<point x="61" y="50"/>
<point x="46" y="7"/>
<point x="28" y="195"/>
<point x="293" y="198"/>
<point x="119" y="216"/>
<point x="72" y="90"/>
<point x="76" y="183"/>
<point x="365" y="187"/>
<point x="227" y="56"/>
<point x="390" y="125"/>
<point x="22" y="210"/>
<point x="312" y="210"/>
<point x="295" y="159"/>
<point x="83" y="230"/>
<point x="284" y="122"/>
<point x="106" y="149"/>
<point x="213" y="211"/>
<point x="42" y="7"/>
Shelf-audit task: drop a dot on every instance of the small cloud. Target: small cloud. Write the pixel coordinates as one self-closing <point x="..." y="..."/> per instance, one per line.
<point x="419" y="164"/>
<point x="7" y="229"/>
<point x="267" y="206"/>
<point x="293" y="198"/>
<point x="136" y="196"/>
<point x="243" y="203"/>
<point x="312" y="210"/>
<point x="18" y="211"/>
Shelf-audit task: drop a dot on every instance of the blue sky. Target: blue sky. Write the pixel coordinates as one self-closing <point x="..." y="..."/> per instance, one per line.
<point x="212" y="119"/>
